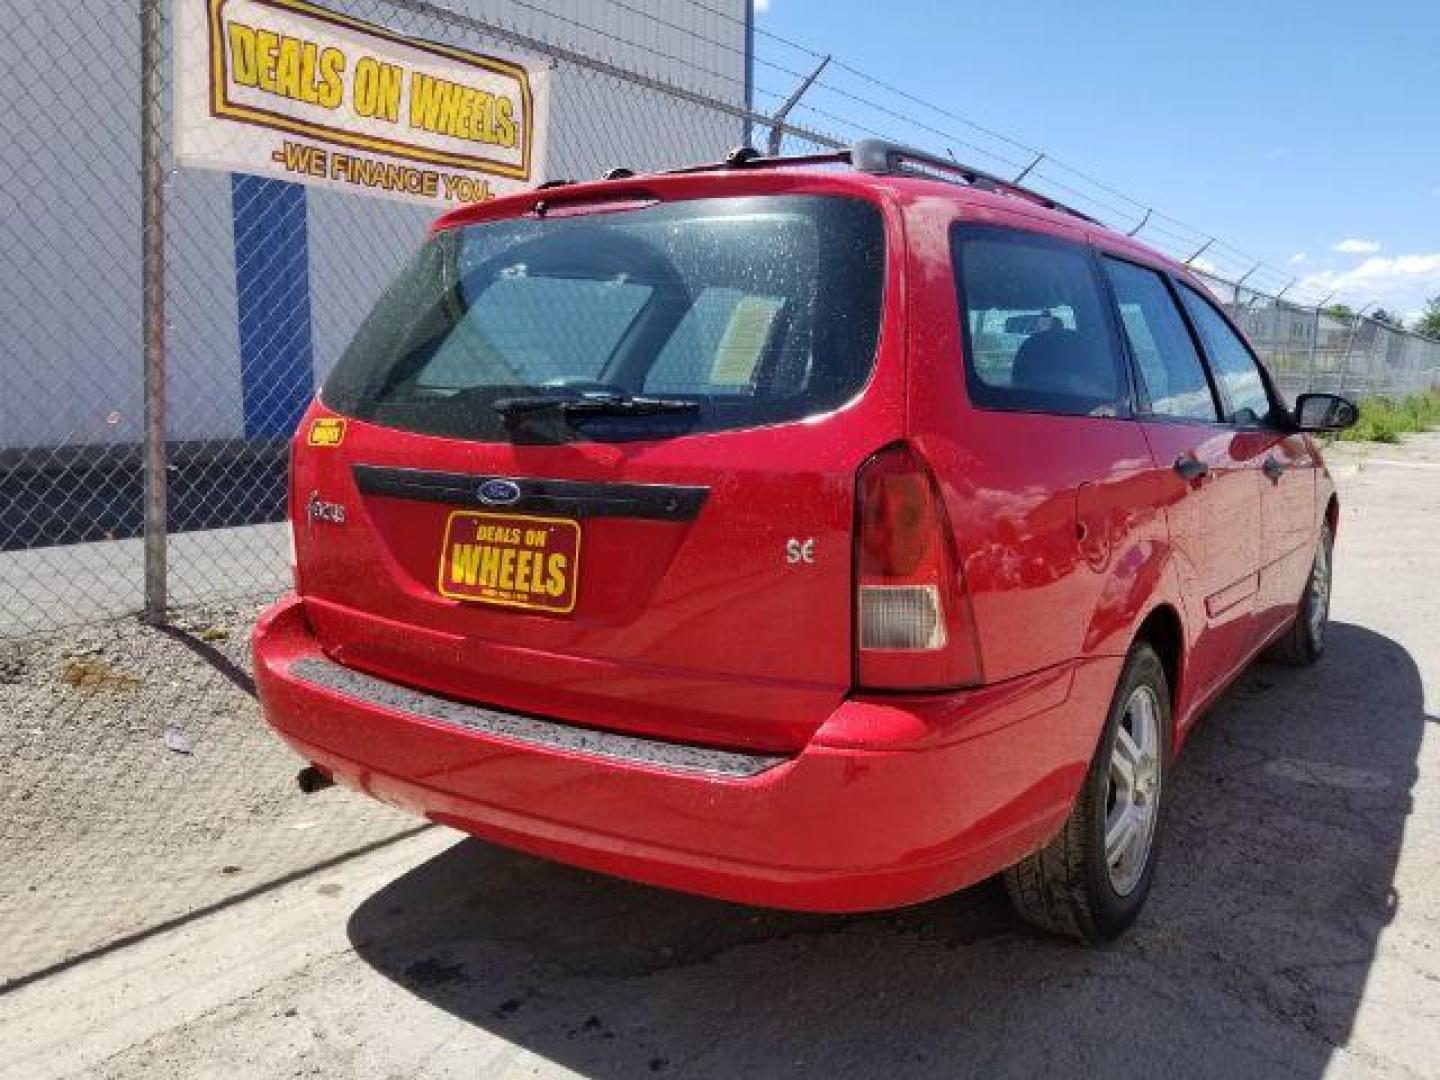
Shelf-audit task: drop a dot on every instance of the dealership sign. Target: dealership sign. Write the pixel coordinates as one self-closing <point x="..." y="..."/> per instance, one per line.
<point x="286" y="88"/>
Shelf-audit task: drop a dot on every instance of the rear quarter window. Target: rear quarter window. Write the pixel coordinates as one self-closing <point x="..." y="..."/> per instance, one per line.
<point x="1038" y="334"/>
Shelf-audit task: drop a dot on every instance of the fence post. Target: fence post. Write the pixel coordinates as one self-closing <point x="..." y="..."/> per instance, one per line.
<point x="777" y="122"/>
<point x="152" y="239"/>
<point x="1345" y="357"/>
<point x="1359" y="321"/>
<point x="1314" y="345"/>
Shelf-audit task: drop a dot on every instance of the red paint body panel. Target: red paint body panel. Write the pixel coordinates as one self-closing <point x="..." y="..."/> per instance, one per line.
<point x="681" y="628"/>
<point x="1020" y="485"/>
<point x="685" y="629"/>
<point x="1069" y="531"/>
<point x="838" y="827"/>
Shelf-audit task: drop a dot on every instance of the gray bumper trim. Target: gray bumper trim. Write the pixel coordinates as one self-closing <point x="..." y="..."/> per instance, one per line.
<point x="516" y="727"/>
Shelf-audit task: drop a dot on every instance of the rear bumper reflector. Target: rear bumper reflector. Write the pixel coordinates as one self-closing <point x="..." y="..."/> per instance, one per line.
<point x="532" y="730"/>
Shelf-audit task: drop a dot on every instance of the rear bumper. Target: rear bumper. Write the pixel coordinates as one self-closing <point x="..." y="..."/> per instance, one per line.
<point x="893" y="801"/>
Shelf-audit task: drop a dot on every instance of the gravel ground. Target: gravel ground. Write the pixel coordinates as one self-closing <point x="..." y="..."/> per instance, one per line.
<point x="139" y="786"/>
<point x="1294" y="930"/>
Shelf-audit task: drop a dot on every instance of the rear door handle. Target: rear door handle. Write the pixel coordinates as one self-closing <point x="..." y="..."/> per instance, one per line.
<point x="1273" y="468"/>
<point x="1191" y="468"/>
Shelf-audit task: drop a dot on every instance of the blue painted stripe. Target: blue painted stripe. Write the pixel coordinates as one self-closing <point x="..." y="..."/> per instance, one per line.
<point x="272" y="293"/>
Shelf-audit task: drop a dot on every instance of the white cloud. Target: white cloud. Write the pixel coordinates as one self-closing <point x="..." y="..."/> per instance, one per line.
<point x="1352" y="246"/>
<point x="762" y="6"/>
<point x="1401" y="283"/>
<point x="1298" y="258"/>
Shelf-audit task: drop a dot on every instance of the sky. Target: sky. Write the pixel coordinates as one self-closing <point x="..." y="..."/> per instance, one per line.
<point x="1306" y="134"/>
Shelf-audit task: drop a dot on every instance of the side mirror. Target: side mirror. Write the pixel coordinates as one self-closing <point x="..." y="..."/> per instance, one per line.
<point x="1325" y="412"/>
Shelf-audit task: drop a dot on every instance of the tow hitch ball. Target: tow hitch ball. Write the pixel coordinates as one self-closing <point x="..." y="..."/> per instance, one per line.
<point x="311" y="780"/>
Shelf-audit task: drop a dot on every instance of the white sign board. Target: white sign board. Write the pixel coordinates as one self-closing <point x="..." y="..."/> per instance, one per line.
<point x="289" y="89"/>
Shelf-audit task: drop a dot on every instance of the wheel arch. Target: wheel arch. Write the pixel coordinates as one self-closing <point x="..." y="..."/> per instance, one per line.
<point x="1165" y="633"/>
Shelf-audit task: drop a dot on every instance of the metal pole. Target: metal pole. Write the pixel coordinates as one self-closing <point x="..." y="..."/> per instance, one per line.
<point x="1240" y="284"/>
<point x="776" y="121"/>
<point x="1200" y="251"/>
<point x="152" y="239"/>
<point x="1029" y="168"/>
<point x="749" y="69"/>
<point x="1350" y="344"/>
<point x="1246" y="276"/>
<point x="1314" y="345"/>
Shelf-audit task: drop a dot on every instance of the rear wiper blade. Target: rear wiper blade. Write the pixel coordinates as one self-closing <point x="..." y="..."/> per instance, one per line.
<point x="629" y="405"/>
<point x="512" y="406"/>
<point x="593" y="405"/>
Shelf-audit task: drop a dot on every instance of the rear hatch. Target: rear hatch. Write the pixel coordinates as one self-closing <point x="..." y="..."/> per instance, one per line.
<point x="598" y="463"/>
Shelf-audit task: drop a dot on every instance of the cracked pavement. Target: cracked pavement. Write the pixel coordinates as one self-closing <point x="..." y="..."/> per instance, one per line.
<point x="1294" y="930"/>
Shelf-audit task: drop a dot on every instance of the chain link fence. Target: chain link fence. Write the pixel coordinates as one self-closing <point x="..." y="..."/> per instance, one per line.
<point x="1307" y="348"/>
<point x="140" y="790"/>
<point x="237" y="293"/>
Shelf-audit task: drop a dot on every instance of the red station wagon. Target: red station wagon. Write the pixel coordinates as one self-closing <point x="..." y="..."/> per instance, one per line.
<point x="826" y="533"/>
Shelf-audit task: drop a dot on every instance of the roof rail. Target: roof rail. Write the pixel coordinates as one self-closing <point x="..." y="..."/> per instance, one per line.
<point x="879" y="157"/>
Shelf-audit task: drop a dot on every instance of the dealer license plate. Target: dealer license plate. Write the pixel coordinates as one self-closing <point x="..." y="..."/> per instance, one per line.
<point x="512" y="560"/>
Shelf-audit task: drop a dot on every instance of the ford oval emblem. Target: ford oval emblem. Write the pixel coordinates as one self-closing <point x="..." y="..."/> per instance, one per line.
<point x="498" y="492"/>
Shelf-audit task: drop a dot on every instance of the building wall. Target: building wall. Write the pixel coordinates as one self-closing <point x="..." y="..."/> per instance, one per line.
<point x="247" y="341"/>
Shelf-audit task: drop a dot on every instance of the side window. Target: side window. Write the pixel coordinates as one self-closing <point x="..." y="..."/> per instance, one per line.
<point x="1234" y="366"/>
<point x="1171" y="370"/>
<point x="1037" y="335"/>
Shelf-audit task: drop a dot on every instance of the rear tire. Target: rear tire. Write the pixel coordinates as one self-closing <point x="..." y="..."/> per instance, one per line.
<point x="1092" y="879"/>
<point x="1304" y="642"/>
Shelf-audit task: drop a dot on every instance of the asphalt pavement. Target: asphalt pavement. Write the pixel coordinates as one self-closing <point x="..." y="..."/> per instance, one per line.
<point x="1294" y="930"/>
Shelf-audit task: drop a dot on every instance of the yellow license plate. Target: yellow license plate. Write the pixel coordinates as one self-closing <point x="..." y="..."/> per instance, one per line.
<point x="513" y="560"/>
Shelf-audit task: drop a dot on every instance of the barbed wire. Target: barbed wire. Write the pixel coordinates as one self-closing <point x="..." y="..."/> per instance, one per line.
<point x="1046" y="172"/>
<point x="1181" y="233"/>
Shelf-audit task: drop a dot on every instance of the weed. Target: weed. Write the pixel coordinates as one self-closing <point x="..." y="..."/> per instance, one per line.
<point x="1384" y="420"/>
<point x="93" y="673"/>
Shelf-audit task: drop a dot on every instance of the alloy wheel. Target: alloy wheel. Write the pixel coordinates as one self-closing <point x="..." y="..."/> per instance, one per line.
<point x="1132" y="797"/>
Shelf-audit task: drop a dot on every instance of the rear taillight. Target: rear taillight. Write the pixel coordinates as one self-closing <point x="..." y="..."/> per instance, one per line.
<point x="913" y="624"/>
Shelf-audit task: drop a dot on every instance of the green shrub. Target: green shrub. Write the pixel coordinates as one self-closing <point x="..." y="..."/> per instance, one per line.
<point x="1384" y="420"/>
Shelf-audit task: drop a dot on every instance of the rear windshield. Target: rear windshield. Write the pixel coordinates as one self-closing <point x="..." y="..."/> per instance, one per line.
<point x="748" y="310"/>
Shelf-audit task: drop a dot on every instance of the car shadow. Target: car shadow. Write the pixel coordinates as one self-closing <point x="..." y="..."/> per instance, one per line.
<point x="1286" y="820"/>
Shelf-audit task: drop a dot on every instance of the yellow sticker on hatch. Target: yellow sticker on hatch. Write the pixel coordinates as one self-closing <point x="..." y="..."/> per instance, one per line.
<point x="326" y="431"/>
<point x="745" y="338"/>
